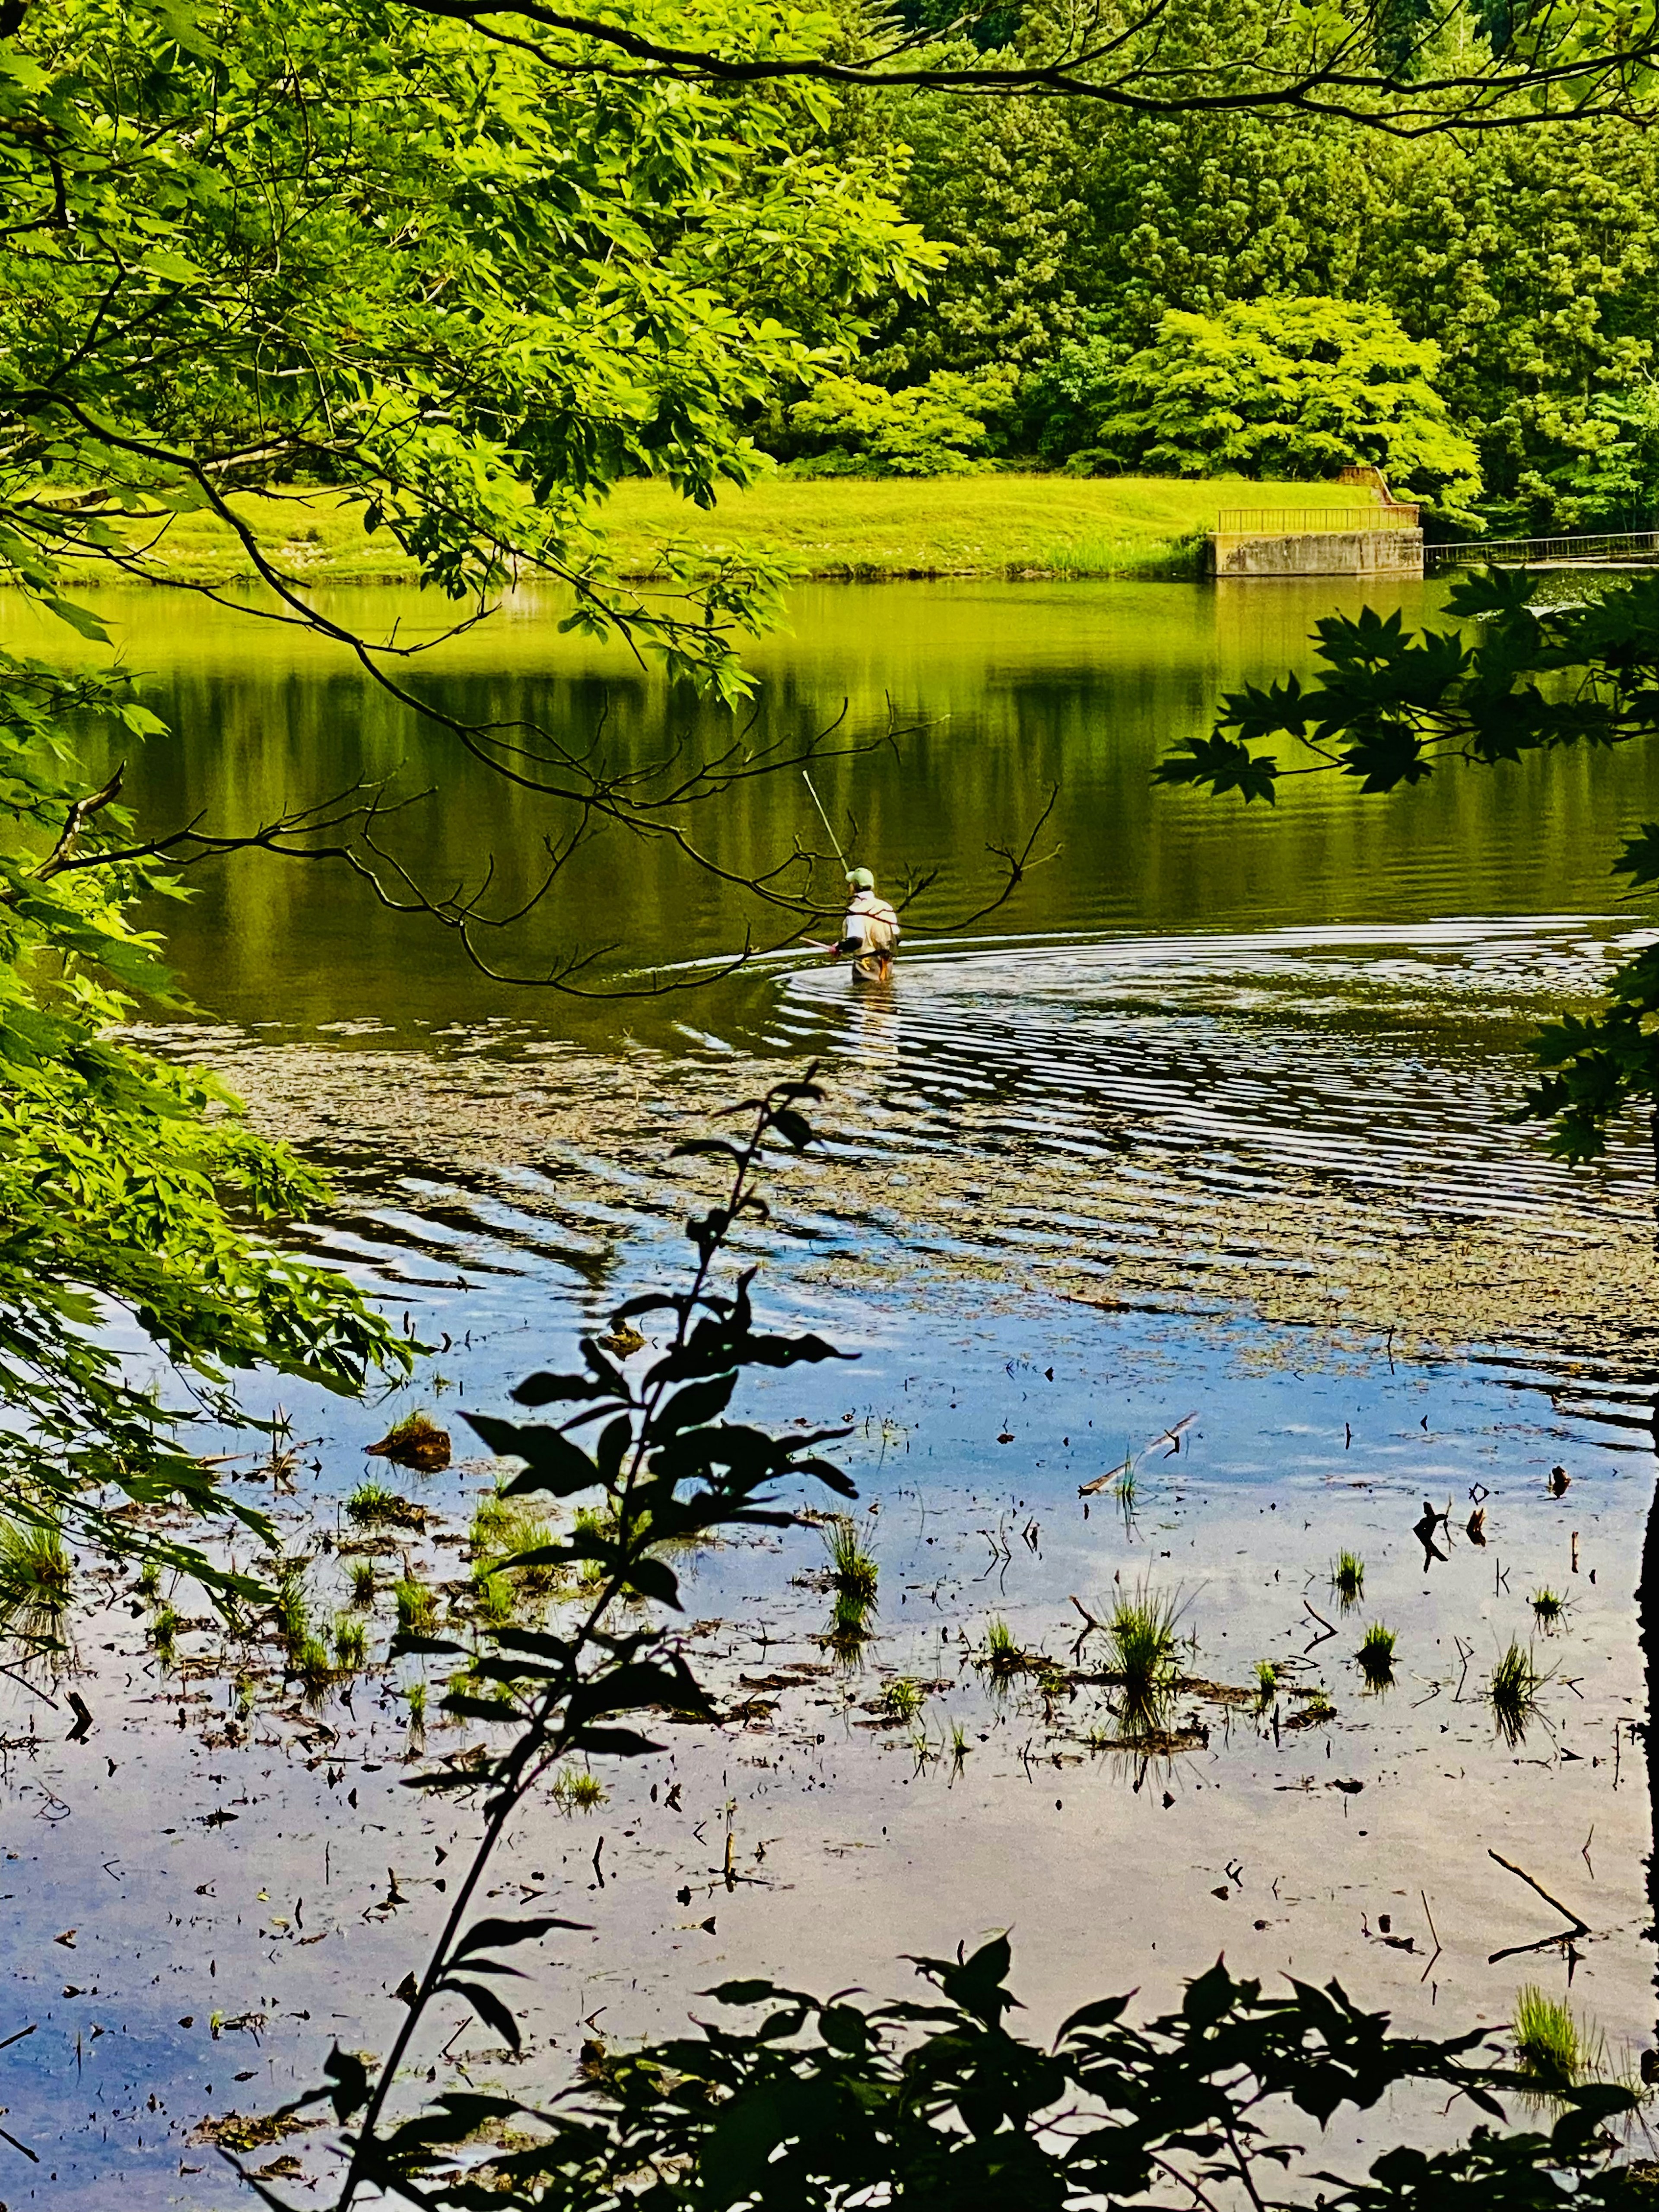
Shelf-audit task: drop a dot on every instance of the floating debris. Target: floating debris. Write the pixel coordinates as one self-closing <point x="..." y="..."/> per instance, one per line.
<point x="416" y="1443"/>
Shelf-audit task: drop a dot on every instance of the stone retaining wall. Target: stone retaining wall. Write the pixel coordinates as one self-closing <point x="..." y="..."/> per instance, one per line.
<point x="1319" y="553"/>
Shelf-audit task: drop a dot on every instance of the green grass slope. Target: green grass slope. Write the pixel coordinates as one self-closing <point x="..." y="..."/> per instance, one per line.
<point x="846" y="526"/>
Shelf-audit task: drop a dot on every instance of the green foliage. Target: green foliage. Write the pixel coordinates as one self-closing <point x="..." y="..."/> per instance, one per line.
<point x="351" y="1642"/>
<point x="1388" y="704"/>
<point x="937" y="428"/>
<point x="124" y="1181"/>
<point x="591" y="238"/>
<point x="1287" y="388"/>
<point x="810" y="2105"/>
<point x="36" y="1578"/>
<point x="1348" y="1577"/>
<point x="1547" y="1606"/>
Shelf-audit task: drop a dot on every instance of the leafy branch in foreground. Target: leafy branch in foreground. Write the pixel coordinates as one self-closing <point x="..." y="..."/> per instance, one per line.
<point x="822" y="2105"/>
<point x="1390" y="705"/>
<point x="668" y="1470"/>
<point x="1498" y="64"/>
<point x="128" y="1188"/>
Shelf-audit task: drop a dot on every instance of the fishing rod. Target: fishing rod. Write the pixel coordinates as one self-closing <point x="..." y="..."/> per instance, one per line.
<point x="824" y="818"/>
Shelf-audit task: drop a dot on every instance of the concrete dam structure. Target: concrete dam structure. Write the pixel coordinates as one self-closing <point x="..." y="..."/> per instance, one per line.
<point x="1386" y="540"/>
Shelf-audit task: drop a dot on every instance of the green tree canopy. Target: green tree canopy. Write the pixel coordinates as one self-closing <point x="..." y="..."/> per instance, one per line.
<point x="351" y="251"/>
<point x="1288" y="387"/>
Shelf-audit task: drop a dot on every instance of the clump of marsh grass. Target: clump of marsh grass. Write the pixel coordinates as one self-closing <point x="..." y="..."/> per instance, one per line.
<point x="853" y="1572"/>
<point x="417" y="1606"/>
<point x="1348" y="1578"/>
<point x="1376" y="1655"/>
<point x="901" y="1699"/>
<point x="493" y="1600"/>
<point x="1512" y="1692"/>
<point x="164" y="1633"/>
<point x="149" y="1581"/>
<point x="416" y="1694"/>
<point x="576" y="1790"/>
<point x="1002" y="1656"/>
<point x="293" y="1612"/>
<point x="1548" y="1607"/>
<point x="512" y="1534"/>
<point x="1266" y="1683"/>
<point x="362" y="1583"/>
<point x="372" y="1505"/>
<point x="36" y="1572"/>
<point x="959" y="1747"/>
<point x="849" y="1629"/>
<point x="1555" y="2051"/>
<point x="313" y="1667"/>
<point x="1140" y="1635"/>
<point x="351" y="1642"/>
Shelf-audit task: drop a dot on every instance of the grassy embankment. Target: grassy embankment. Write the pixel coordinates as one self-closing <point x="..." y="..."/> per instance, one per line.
<point x="846" y="527"/>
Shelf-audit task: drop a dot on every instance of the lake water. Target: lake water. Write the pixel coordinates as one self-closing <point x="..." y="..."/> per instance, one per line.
<point x="1210" y="1119"/>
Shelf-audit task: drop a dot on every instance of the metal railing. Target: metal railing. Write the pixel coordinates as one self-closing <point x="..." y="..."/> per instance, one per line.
<point x="1530" y="552"/>
<point x="1295" y="521"/>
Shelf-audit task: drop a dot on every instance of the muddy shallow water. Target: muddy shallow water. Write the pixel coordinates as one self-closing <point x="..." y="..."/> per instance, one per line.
<point x="1074" y="1192"/>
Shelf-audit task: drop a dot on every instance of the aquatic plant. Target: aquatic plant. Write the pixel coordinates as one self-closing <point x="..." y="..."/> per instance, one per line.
<point x="372" y="1506"/>
<point x="902" y="1698"/>
<point x="1552" y="2048"/>
<point x="293" y="1612"/>
<point x="1512" y="1692"/>
<point x="164" y="1632"/>
<point x="1348" y="1578"/>
<point x="960" y="1745"/>
<point x="1318" y="1707"/>
<point x="1266" y="1681"/>
<point x="521" y="1535"/>
<point x="351" y="1642"/>
<point x="853" y="1572"/>
<point x="577" y="1791"/>
<point x="493" y="1600"/>
<point x="1376" y="1655"/>
<point x="36" y="1573"/>
<point x="1548" y="1607"/>
<point x="362" y="1582"/>
<point x="1001" y="1654"/>
<point x="149" y="1581"/>
<point x="848" y="1630"/>
<point x="1141" y="1645"/>
<point x="314" y="1666"/>
<point x="416" y="1694"/>
<point x="491" y="1514"/>
<point x="417" y="1606"/>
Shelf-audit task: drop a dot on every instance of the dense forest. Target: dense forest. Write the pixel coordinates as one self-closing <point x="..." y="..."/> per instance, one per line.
<point x="1271" y="293"/>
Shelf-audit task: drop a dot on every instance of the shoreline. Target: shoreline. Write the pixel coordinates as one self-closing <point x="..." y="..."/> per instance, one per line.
<point x="840" y="530"/>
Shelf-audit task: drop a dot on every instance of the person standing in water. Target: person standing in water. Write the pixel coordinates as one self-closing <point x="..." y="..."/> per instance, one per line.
<point x="870" y="933"/>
